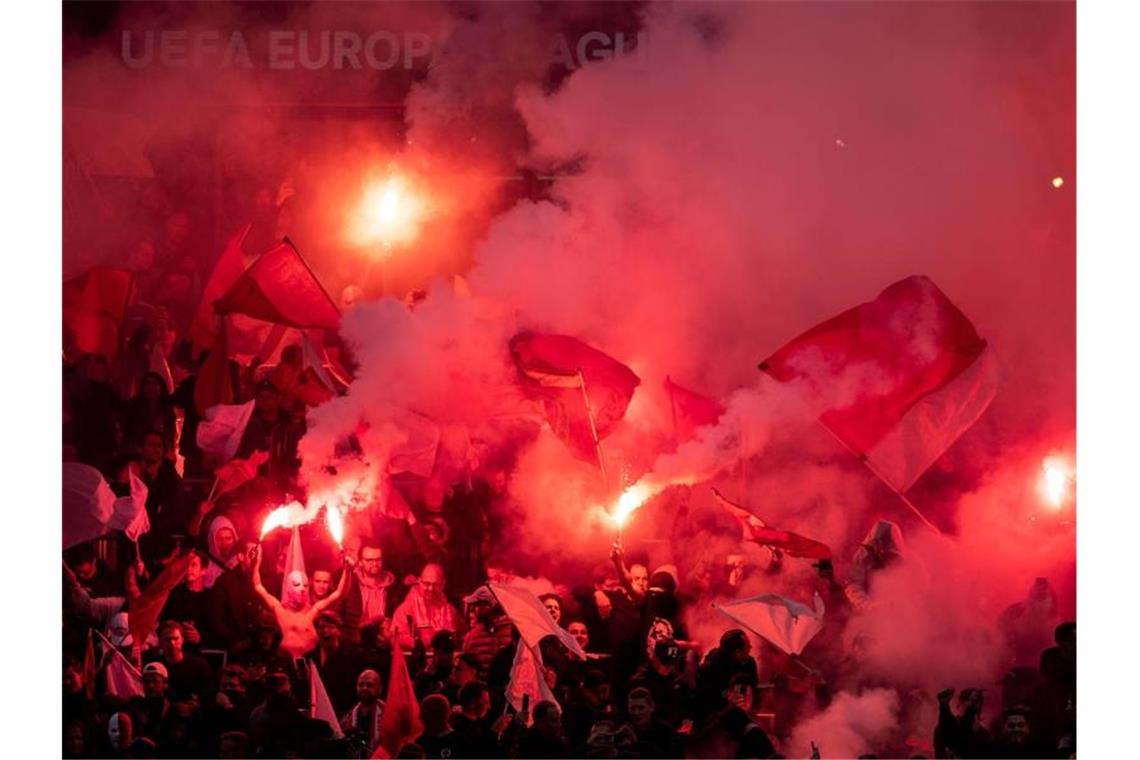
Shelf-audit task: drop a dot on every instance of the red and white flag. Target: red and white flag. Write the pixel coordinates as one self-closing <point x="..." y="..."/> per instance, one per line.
<point x="754" y="529"/>
<point x="224" y="425"/>
<point x="564" y="372"/>
<point x="531" y="617"/>
<point x="320" y="706"/>
<point x="528" y="678"/>
<point x="786" y="623"/>
<point x="897" y="379"/>
<point x="281" y="288"/>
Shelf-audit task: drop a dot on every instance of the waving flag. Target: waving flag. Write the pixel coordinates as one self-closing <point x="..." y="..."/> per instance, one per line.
<point x="224" y="425"/>
<point x="566" y="375"/>
<point x="130" y="515"/>
<point x="527" y="678"/>
<point x="147" y="606"/>
<point x="531" y="618"/>
<point x="94" y="307"/>
<point x="754" y="529"/>
<point x="237" y="472"/>
<point x="88" y="504"/>
<point x="281" y="288"/>
<point x="320" y="706"/>
<point x="897" y="379"/>
<point x="121" y="678"/>
<point x="786" y="623"/>
<point x="229" y="267"/>
<point x="400" y="723"/>
<point x="690" y="410"/>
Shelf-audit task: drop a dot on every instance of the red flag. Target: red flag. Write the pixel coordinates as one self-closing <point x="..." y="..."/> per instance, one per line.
<point x="554" y="368"/>
<point x="400" y="724"/>
<point x="898" y="379"/>
<point x="147" y="606"/>
<point x="690" y="410"/>
<point x="230" y="265"/>
<point x="281" y="288"/>
<point x="94" y="307"/>
<point x="754" y="529"/>
<point x="214" y="383"/>
<point x="237" y="472"/>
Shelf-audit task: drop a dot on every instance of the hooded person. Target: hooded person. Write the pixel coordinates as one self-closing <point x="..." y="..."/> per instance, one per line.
<point x="880" y="548"/>
<point x="222" y="549"/>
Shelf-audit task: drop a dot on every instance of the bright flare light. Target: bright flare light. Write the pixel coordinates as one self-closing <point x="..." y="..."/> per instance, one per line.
<point x="629" y="502"/>
<point x="1058" y="181"/>
<point x="278" y="518"/>
<point x="334" y="519"/>
<point x="1056" y="479"/>
<point x="389" y="214"/>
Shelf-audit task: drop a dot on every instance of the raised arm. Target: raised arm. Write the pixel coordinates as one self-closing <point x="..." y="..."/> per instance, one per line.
<point x="335" y="596"/>
<point x="273" y="602"/>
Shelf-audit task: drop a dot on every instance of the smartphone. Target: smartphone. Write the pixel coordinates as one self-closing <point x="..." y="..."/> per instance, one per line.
<point x="526" y="702"/>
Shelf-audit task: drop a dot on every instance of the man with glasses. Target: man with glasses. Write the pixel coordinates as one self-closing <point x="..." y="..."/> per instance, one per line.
<point x="425" y="611"/>
<point x="366" y="600"/>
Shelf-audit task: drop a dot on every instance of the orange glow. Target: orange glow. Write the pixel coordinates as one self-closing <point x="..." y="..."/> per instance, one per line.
<point x="278" y="518"/>
<point x="629" y="502"/>
<point x="1056" y="480"/>
<point x="334" y="519"/>
<point x="389" y="213"/>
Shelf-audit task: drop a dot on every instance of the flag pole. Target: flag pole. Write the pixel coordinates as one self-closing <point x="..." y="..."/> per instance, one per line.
<point x="112" y="648"/>
<point x="593" y="427"/>
<point x="867" y="463"/>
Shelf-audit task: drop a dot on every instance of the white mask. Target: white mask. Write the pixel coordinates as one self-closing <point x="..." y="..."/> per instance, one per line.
<point x="296" y="590"/>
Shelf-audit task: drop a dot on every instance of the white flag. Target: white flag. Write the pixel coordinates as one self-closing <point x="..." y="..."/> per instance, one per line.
<point x="221" y="431"/>
<point x="531" y="617"/>
<point x="122" y="679"/>
<point x="786" y="623"/>
<point x="88" y="504"/>
<point x="320" y="707"/>
<point x="527" y="677"/>
<point x="130" y="514"/>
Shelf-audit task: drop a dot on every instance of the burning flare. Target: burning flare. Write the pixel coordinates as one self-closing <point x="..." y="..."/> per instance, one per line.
<point x="629" y="502"/>
<point x="334" y="520"/>
<point x="1056" y="480"/>
<point x="278" y="518"/>
<point x="389" y="214"/>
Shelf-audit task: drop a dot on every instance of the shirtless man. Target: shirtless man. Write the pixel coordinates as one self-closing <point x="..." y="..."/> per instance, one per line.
<point x="296" y="616"/>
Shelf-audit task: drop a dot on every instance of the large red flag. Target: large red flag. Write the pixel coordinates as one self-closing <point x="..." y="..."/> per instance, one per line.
<point x="754" y="529"/>
<point x="94" y="307"/>
<point x="690" y="410"/>
<point x="554" y="369"/>
<point x="146" y="607"/>
<point x="230" y="265"/>
<point x="400" y="724"/>
<point x="281" y="288"/>
<point x="897" y="379"/>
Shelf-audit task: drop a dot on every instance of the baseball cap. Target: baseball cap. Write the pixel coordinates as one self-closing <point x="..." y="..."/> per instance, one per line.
<point x="157" y="668"/>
